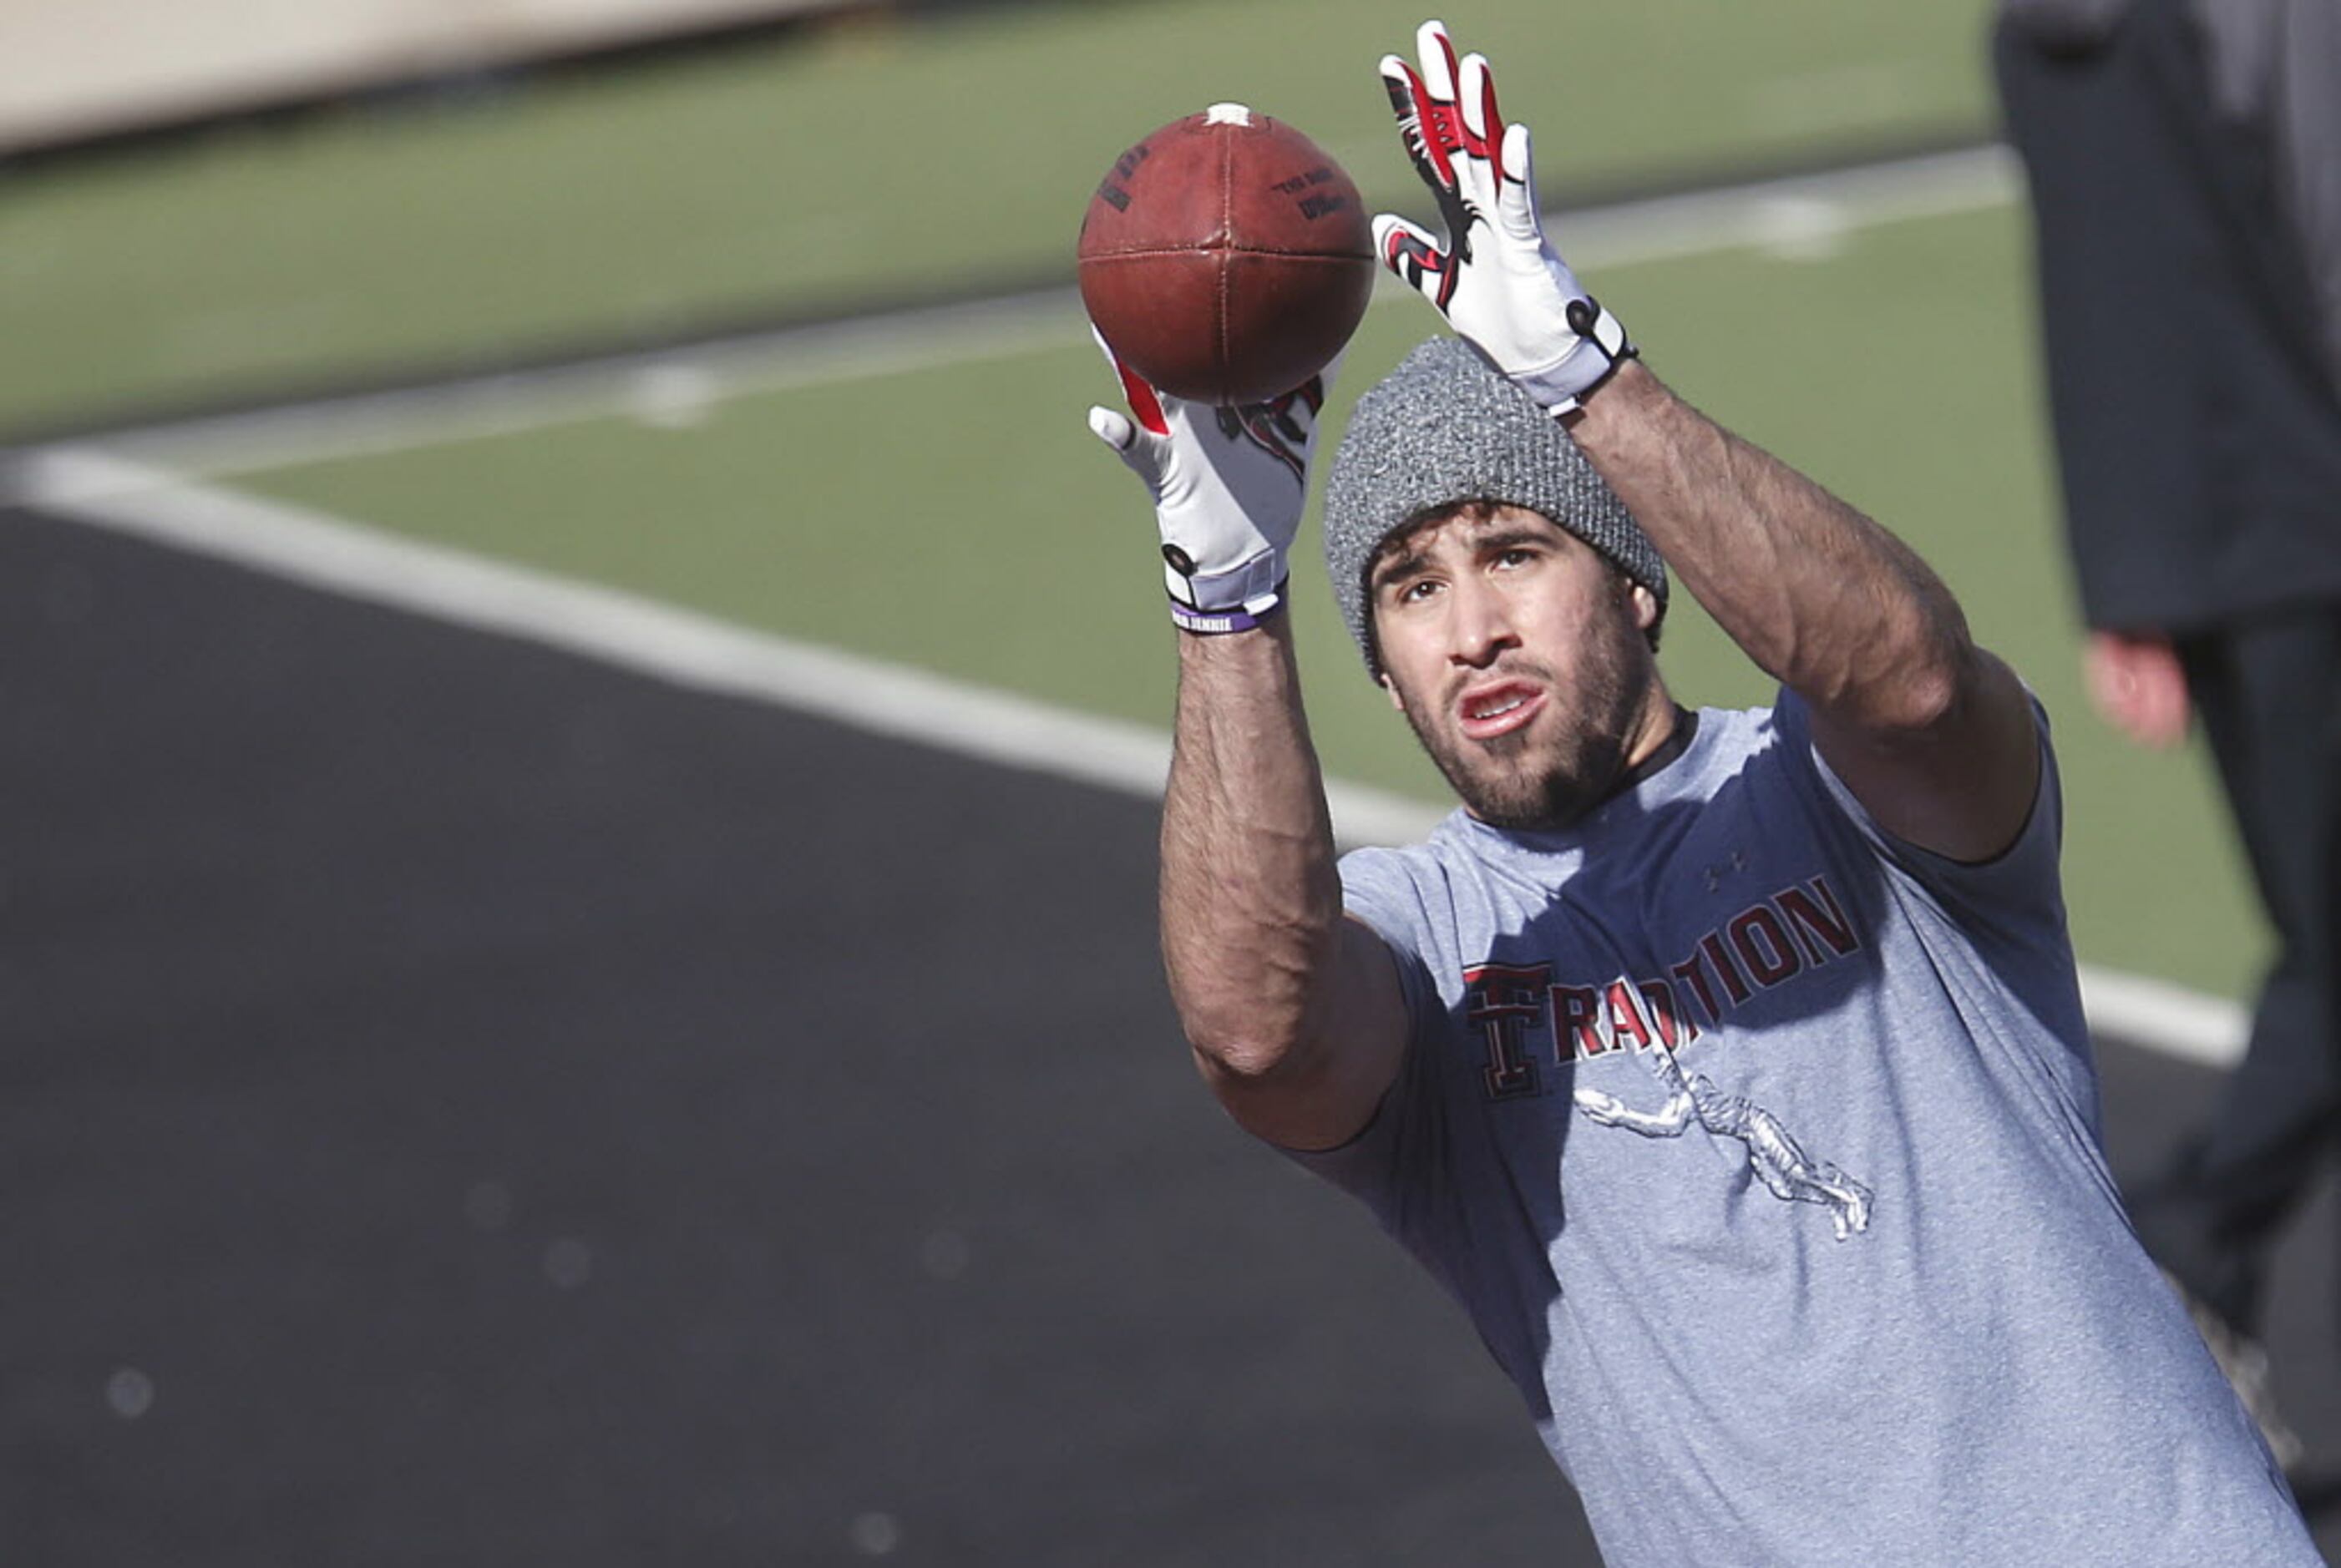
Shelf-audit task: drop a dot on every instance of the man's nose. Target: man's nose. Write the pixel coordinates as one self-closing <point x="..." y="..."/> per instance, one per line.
<point x="1482" y="626"/>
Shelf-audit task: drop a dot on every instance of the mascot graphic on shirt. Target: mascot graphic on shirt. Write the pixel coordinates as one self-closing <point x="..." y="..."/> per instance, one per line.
<point x="1778" y="1161"/>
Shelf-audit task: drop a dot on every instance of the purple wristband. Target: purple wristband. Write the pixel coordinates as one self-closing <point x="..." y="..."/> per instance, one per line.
<point x="1219" y="623"/>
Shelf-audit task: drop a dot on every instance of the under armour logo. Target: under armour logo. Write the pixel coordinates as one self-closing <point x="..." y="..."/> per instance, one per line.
<point x="1716" y="874"/>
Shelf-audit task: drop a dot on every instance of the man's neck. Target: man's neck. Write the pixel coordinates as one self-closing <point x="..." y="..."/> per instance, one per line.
<point x="1654" y="728"/>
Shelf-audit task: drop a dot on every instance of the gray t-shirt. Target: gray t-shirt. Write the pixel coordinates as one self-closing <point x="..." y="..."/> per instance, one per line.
<point x="1842" y="1277"/>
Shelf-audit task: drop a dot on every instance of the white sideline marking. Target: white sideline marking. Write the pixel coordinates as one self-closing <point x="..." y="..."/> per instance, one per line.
<point x="636" y="386"/>
<point x="2142" y="1011"/>
<point x="705" y="654"/>
<point x="637" y="633"/>
<point x="1798" y="216"/>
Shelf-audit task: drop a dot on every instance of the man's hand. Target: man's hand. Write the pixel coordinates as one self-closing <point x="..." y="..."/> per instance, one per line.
<point x="1497" y="280"/>
<point x="2137" y="684"/>
<point x="1228" y="485"/>
<point x="1294" y="1013"/>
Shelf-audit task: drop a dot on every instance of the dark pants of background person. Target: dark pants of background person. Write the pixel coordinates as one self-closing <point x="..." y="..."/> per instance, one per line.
<point x="2268" y="691"/>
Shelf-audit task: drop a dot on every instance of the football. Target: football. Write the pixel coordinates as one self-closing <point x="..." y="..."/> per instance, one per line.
<point x="1225" y="258"/>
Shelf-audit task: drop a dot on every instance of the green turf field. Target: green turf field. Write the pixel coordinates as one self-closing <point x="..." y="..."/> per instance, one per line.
<point x="963" y="518"/>
<point x="866" y="161"/>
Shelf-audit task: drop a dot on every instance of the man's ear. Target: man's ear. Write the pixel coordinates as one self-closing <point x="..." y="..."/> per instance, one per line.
<point x="1645" y="605"/>
<point x="1391" y="687"/>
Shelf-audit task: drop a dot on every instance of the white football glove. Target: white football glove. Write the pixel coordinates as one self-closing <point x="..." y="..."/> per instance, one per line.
<point x="1497" y="281"/>
<point x="1228" y="485"/>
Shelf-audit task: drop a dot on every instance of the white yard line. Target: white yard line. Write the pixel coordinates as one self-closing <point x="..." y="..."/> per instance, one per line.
<point x="1800" y="216"/>
<point x="640" y="634"/>
<point x="693" y="651"/>
<point x="2161" y="1016"/>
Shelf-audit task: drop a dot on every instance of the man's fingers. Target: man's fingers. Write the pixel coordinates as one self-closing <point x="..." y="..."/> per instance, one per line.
<point x="1397" y="79"/>
<point x="1472" y="98"/>
<point x="1113" y="428"/>
<point x="1425" y="126"/>
<point x="1295" y="414"/>
<point x="1144" y="400"/>
<point x="1491" y="118"/>
<point x="1144" y="453"/>
<point x="1416" y="258"/>
<point x="1136" y="391"/>
<point x="1403" y="86"/>
<point x="1483" y="125"/>
<point x="1432" y="46"/>
<point x="1434" y="92"/>
<point x="1516" y="197"/>
<point x="1105" y="348"/>
<point x="1520" y="158"/>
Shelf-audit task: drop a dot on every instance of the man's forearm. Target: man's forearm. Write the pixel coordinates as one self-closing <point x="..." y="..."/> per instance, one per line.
<point x="1822" y="598"/>
<point x="1932" y="734"/>
<point x="1250" y="901"/>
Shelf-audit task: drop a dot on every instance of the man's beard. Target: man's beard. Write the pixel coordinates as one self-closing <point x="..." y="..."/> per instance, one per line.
<point x="1522" y="783"/>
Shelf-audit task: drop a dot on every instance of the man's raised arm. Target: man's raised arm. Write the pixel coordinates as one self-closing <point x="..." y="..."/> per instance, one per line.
<point x="1294" y="1012"/>
<point x="1933" y="735"/>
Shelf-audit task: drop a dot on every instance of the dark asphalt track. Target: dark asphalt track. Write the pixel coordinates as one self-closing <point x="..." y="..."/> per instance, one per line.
<point x="466" y="1105"/>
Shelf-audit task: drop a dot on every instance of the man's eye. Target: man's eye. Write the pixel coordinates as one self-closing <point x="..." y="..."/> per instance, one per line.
<point x="1516" y="556"/>
<point x="1415" y="592"/>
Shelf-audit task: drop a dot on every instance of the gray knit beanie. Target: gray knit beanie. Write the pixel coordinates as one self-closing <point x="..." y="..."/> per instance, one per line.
<point x="1443" y="428"/>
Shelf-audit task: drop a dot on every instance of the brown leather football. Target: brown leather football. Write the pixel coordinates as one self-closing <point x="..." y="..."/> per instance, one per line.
<point x="1225" y="258"/>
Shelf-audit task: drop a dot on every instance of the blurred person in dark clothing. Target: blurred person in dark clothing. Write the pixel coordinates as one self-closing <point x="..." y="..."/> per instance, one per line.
<point x="2184" y="162"/>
